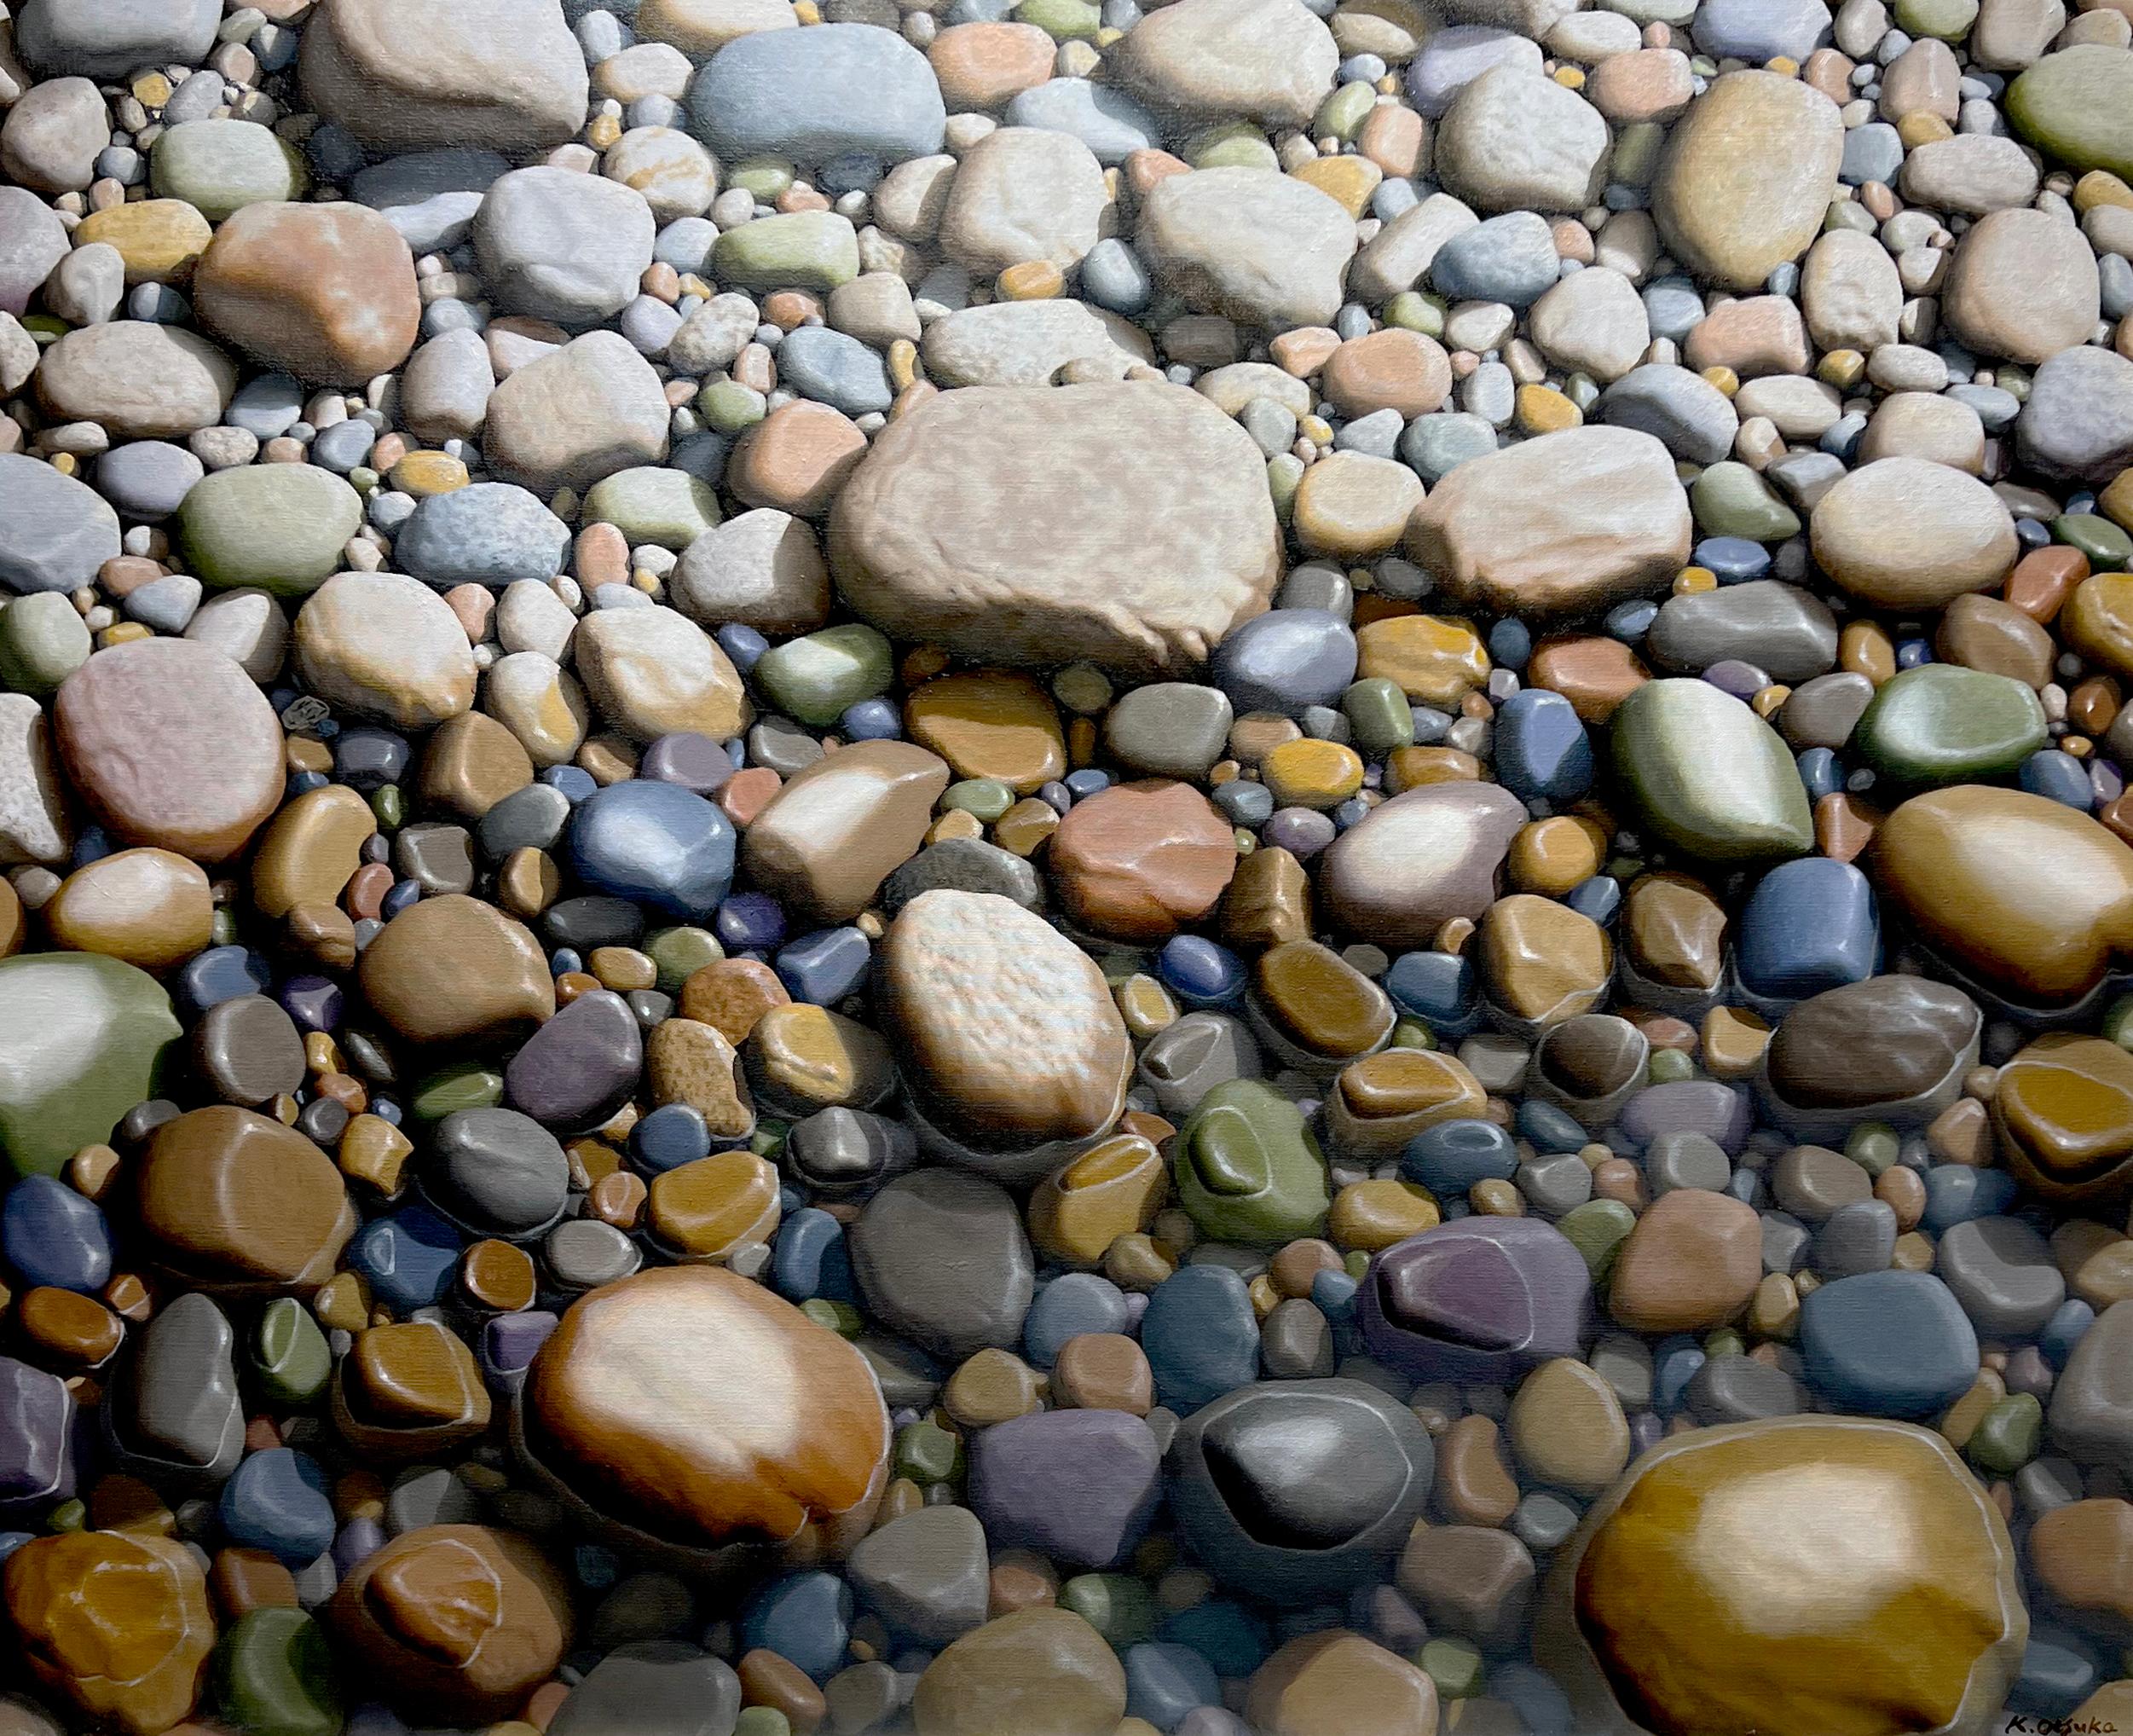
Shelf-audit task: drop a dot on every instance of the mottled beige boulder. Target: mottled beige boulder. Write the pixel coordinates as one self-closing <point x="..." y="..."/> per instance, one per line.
<point x="1023" y="194"/>
<point x="576" y="414"/>
<point x="1255" y="244"/>
<point x="135" y="380"/>
<point x="1908" y="534"/>
<point x="1268" y="61"/>
<point x="1749" y="174"/>
<point x="2024" y="284"/>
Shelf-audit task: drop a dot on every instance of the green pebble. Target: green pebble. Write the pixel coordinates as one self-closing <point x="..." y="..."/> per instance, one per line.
<point x="67" y="1516"/>
<point x="680" y="954"/>
<point x="1416" y="312"/>
<point x="1948" y="20"/>
<point x="42" y="641"/>
<point x="1596" y="1230"/>
<point x="2077" y="105"/>
<point x="1711" y="778"/>
<point x="221" y="166"/>
<point x="761" y="1721"/>
<point x="222" y="928"/>
<point x="667" y="508"/>
<point x="1063" y="20"/>
<point x="840" y="1317"/>
<point x="1725" y="1342"/>
<point x="1412" y="1033"/>
<point x="290" y="1353"/>
<point x="1941" y="723"/>
<point x="1355" y="1262"/>
<point x="1873" y="1146"/>
<point x="278" y="526"/>
<point x="1454" y="1665"/>
<point x="46" y="328"/>
<point x="988" y="798"/>
<point x="2109" y="549"/>
<point x="926" y="1452"/>
<point x="1345" y="111"/>
<point x="465" y="1085"/>
<point x="364" y="480"/>
<point x="2007" y="1435"/>
<point x="816" y="249"/>
<point x="1848" y="214"/>
<point x="274" y="1676"/>
<point x="1117" y="1606"/>
<point x="1376" y="709"/>
<point x="1730" y="499"/>
<point x="1668" y="1066"/>
<point x="767" y="1140"/>
<point x="728" y="406"/>
<point x="1636" y="159"/>
<point x="70" y="1079"/>
<point x="816" y="677"/>
<point x="1285" y="473"/>
<point x="2117" y="1022"/>
<point x="1237" y="145"/>
<point x="1247" y="1169"/>
<point x="764" y="177"/>
<point x="390" y="804"/>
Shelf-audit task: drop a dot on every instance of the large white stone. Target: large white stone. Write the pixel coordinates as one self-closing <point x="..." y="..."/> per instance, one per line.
<point x="1257" y="246"/>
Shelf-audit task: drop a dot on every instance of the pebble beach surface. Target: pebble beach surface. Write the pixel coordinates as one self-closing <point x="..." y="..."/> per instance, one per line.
<point x="1080" y="868"/>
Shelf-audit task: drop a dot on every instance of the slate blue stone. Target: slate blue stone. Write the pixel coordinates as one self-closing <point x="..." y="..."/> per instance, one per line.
<point x="1230" y="1637"/>
<point x="1087" y="782"/>
<point x="1286" y="660"/>
<point x="1510" y="258"/>
<point x="1821" y="773"/>
<point x="1734" y="560"/>
<point x="1598" y="899"/>
<point x="2060" y="1669"/>
<point x="2065" y="1329"/>
<point x="408" y="1258"/>
<point x="403" y="893"/>
<point x="1164" y="1680"/>
<point x="52" y="1235"/>
<point x="870" y="721"/>
<point x="1201" y="1336"/>
<point x="1334" y="1295"/>
<point x="1067" y="1307"/>
<point x="695" y="762"/>
<point x="1673" y="306"/>
<point x="743" y="644"/>
<point x="1078" y="1486"/>
<point x="2058" y="777"/>
<point x="1757" y="30"/>
<point x="1955" y="1194"/>
<point x="1543" y="751"/>
<point x="835" y="368"/>
<point x="148" y="479"/>
<point x="1245" y="802"/>
<point x="485" y="534"/>
<point x="834" y="91"/>
<point x="365" y="758"/>
<point x="825" y="966"/>
<point x="1436" y="445"/>
<point x="670" y="1136"/>
<point x="750" y="920"/>
<point x="1887" y="1343"/>
<point x="1510" y="643"/>
<point x="1550" y="1129"/>
<point x="1111" y="274"/>
<point x="1675" y="1364"/>
<point x="1438" y="988"/>
<point x="218" y="975"/>
<point x="806" y="1618"/>
<point x="810" y="1258"/>
<point x="1809" y="925"/>
<point x="1451" y="1156"/>
<point x="276" y="1500"/>
<point x="653" y="843"/>
<point x="1630" y="621"/>
<point x="1200" y="973"/>
<point x="1108" y="121"/>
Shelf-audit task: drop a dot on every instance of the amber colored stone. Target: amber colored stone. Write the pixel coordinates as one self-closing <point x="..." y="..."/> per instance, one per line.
<point x="322" y="934"/>
<point x="114" y="1623"/>
<point x="1025" y="827"/>
<point x="236" y="1204"/>
<point x="1319" y="1001"/>
<point x="496" y="1275"/>
<point x="1268" y="900"/>
<point x="692" y="1064"/>
<point x="2063" y="1108"/>
<point x="1437" y="660"/>
<point x="1554" y="855"/>
<point x="374" y="1152"/>
<point x="2093" y="706"/>
<point x="796" y="459"/>
<point x="1542" y="962"/>
<point x="1374" y="1214"/>
<point x="1691" y="1263"/>
<point x="528" y="883"/>
<point x="1799" y="1576"/>
<point x="310" y="850"/>
<point x="1115" y="1188"/>
<point x="243" y="1580"/>
<point x="990" y="724"/>
<point x="769" y="1679"/>
<point x="1844" y="826"/>
<point x="1986" y="632"/>
<point x="454" y="969"/>
<point x="1674" y="933"/>
<point x="1380" y="1102"/>
<point x="2043" y="579"/>
<point x="618" y="1199"/>
<point x="806" y="1057"/>
<point x="1340" y="1684"/>
<point x="14" y="925"/>
<point x="1594" y="674"/>
<point x="1102" y="1371"/>
<point x="706" y="1209"/>
<point x="409" y="1390"/>
<point x="1410" y="768"/>
<point x="1474" y="1480"/>
<point x="471" y="763"/>
<point x="2082" y="1553"/>
<point x="150" y="908"/>
<point x="1734" y="1040"/>
<point x="65" y="1331"/>
<point x="730" y="994"/>
<point x="1137" y="861"/>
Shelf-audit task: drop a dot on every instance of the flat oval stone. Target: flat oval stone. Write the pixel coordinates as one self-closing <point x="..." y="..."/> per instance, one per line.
<point x="1541" y="962"/>
<point x="1691" y="1263"/>
<point x="1414" y="863"/>
<point x="497" y="1172"/>
<point x="409" y="1390"/>
<point x="151" y="908"/>
<point x="1005" y="1029"/>
<point x="942" y="1258"/>
<point x="2033" y="896"/>
<point x="247" y="1050"/>
<point x="387" y="648"/>
<point x="280" y="527"/>
<point x="1078" y="1485"/>
<point x="1138" y="861"/>
<point x="1890" y="1343"/>
<point x="832" y="834"/>
<point x="457" y="1619"/>
<point x="1299" y="1488"/>
<point x="1247" y="1169"/>
<point x="1727" y="1578"/>
<point x="1479" y="1299"/>
<point x="1905" y="532"/>
<point x="238" y="1203"/>
<point x="1942" y="724"/>
<point x="1318" y="1000"/>
<point x="1872" y="1047"/>
<point x="1039" y="1668"/>
<point x="2091" y="1405"/>
<point x="85" y="1036"/>
<point x="453" y="969"/>
<point x="2064" y="1113"/>
<point x="577" y="1070"/>
<point x="1787" y="632"/>
<point x="178" y="1405"/>
<point x="172" y="745"/>
<point x="693" y="1406"/>
<point x="656" y="844"/>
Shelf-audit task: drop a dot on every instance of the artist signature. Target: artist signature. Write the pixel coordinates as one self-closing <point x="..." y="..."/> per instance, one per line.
<point x="2023" y="1726"/>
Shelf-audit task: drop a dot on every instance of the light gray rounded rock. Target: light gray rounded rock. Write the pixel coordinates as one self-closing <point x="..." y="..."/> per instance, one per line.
<point x="835" y="90"/>
<point x="146" y="479"/>
<point x="485" y="533"/>
<point x="110" y="38"/>
<point x="1681" y="409"/>
<point x="2003" y="1273"/>
<point x="1169" y="729"/>
<point x="2078" y="423"/>
<point x="55" y="532"/>
<point x="1787" y="633"/>
<point x="563" y="246"/>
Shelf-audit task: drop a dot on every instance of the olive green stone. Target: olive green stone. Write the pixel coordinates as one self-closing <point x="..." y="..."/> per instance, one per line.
<point x="42" y="641"/>
<point x="925" y="1452"/>
<point x="1285" y="472"/>
<point x="1235" y="146"/>
<point x="1730" y="499"/>
<point x="1873" y="1146"/>
<point x="1063" y="20"/>
<point x="2077" y="105"/>
<point x="1948" y="20"/>
<point x="290" y="1353"/>
<point x="764" y="177"/>
<point x="728" y="406"/>
<point x="1454" y="1665"/>
<point x="1597" y="1228"/>
<point x="1378" y="710"/>
<point x="221" y="166"/>
<point x="679" y="953"/>
<point x="280" y="527"/>
<point x="816" y="250"/>
<point x="2118" y="1021"/>
<point x="1711" y="777"/>
<point x="465" y="1085"/>
<point x="274" y="1676"/>
<point x="1637" y="150"/>
<point x="762" y="1721"/>
<point x="389" y="803"/>
<point x="1117" y="1606"/>
<point x="83" y="1038"/>
<point x="1345" y="110"/>
<point x="815" y="678"/>
<point x="1668" y="1066"/>
<point x="1413" y="311"/>
<point x="1247" y="1169"/>
<point x="666" y="508"/>
<point x="988" y="798"/>
<point x="2109" y="549"/>
<point x="2007" y="1435"/>
<point x="1941" y="723"/>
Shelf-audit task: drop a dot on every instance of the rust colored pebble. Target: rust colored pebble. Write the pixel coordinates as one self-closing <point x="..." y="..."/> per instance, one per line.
<point x="494" y="1275"/>
<point x="244" y="1580"/>
<point x="65" y="1331"/>
<point x="618" y="1199"/>
<point x="365" y="895"/>
<point x="747" y="792"/>
<point x="769" y="1680"/>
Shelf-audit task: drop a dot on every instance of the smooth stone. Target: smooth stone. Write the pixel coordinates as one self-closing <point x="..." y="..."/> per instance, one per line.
<point x="942" y="1258"/>
<point x="1269" y="60"/>
<point x="136" y="380"/>
<point x="563" y="246"/>
<point x="496" y="1171"/>
<point x="963" y="864"/>
<point x="1788" y="633"/>
<point x="1201" y="1336"/>
<point x="653" y="673"/>
<point x="1479" y="1299"/>
<point x="1943" y="723"/>
<point x="1247" y="1169"/>
<point x="55" y="532"/>
<point x="150" y="908"/>
<point x="2092" y="1411"/>
<point x="924" y="1573"/>
<point x="2072" y="104"/>
<point x="247" y="1050"/>
<point x="1040" y="1666"/>
<point x="842" y="90"/>
<point x="1255" y="245"/>
<point x="1513" y="139"/>
<point x="1342" y="1684"/>
<point x="831" y="837"/>
<point x="487" y="534"/>
<point x="1080" y="1486"/>
<point x="1420" y="860"/>
<point x="576" y="413"/>
<point x="179" y="1406"/>
<point x="653" y="1688"/>
<point x="1905" y="532"/>
<point x="656" y="844"/>
<point x="1711" y="777"/>
<point x="237" y="1203"/>
<point x="87" y="1034"/>
<point x="1691" y="1263"/>
<point x="1750" y="170"/>
<point x="2063" y="1126"/>
<point x="2077" y="421"/>
<point x="1138" y="861"/>
<point x="577" y="1070"/>
<point x="280" y="527"/>
<point x="454" y="969"/>
<point x="1887" y="1343"/>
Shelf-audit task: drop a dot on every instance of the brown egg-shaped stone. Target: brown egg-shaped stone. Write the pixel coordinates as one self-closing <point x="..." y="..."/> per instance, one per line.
<point x="1805" y="1575"/>
<point x="409" y="1391"/>
<point x="461" y="1622"/>
<point x="1137" y="861"/>
<point x="152" y="908"/>
<point x="172" y="744"/>
<point x="115" y="1623"/>
<point x="696" y="1410"/>
<point x="311" y="849"/>
<point x="237" y="1203"/>
<point x="1414" y="863"/>
<point x="453" y="969"/>
<point x="2063" y="1108"/>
